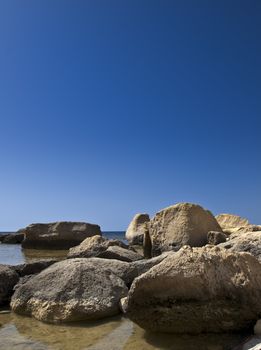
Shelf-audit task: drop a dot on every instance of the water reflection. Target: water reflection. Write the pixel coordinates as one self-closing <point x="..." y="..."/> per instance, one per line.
<point x="24" y="333"/>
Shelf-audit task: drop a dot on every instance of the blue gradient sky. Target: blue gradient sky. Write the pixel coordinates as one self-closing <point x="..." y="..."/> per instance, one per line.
<point x="108" y="108"/>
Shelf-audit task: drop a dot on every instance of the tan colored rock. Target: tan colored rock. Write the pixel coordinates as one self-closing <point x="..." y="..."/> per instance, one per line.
<point x="245" y="242"/>
<point x="70" y="290"/>
<point x="58" y="235"/>
<point x="137" y="228"/>
<point x="228" y="221"/>
<point x="197" y="290"/>
<point x="93" y="246"/>
<point x="179" y="225"/>
<point x="119" y="253"/>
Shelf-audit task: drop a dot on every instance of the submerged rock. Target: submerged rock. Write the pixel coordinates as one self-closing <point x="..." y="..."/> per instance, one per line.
<point x="8" y="279"/>
<point x="70" y="290"/>
<point x="94" y="246"/>
<point x="58" y="235"/>
<point x="179" y="225"/>
<point x="136" y="229"/>
<point x="198" y="290"/>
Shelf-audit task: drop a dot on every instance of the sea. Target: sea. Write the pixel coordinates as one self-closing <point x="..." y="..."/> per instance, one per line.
<point x="114" y="333"/>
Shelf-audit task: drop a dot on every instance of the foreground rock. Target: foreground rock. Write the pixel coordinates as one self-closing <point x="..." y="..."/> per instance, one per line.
<point x="94" y="246"/>
<point x="137" y="228"/>
<point x="245" y="242"/>
<point x="58" y="235"/>
<point x="12" y="238"/>
<point x="119" y="253"/>
<point x="8" y="279"/>
<point x="198" y="290"/>
<point x="181" y="224"/>
<point x="70" y="290"/>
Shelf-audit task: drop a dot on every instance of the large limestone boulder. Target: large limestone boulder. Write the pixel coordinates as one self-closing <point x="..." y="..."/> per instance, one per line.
<point x="137" y="228"/>
<point x="245" y="242"/>
<point x="8" y="279"/>
<point x="58" y="235"/>
<point x="179" y="225"/>
<point x="70" y="290"/>
<point x="232" y="223"/>
<point x="94" y="246"/>
<point x="198" y="290"/>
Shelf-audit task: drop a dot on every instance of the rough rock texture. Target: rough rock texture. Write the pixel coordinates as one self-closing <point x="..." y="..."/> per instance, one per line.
<point x="181" y="224"/>
<point x="8" y="279"/>
<point x="245" y="242"/>
<point x="94" y="246"/>
<point x="32" y="268"/>
<point x="215" y="238"/>
<point x="198" y="290"/>
<point x="12" y="238"/>
<point x="58" y="235"/>
<point x="227" y="221"/>
<point x="70" y="290"/>
<point x="136" y="229"/>
<point x="119" y="253"/>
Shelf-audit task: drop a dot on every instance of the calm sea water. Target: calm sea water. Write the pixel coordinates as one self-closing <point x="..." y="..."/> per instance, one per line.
<point x="12" y="254"/>
<point x="118" y="333"/>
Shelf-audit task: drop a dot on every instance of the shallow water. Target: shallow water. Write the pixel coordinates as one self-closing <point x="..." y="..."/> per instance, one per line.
<point x="24" y="333"/>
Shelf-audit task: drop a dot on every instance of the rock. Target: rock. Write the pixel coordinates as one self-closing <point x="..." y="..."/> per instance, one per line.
<point x="2" y="237"/>
<point x="8" y="279"/>
<point x="94" y="246"/>
<point x="245" y="242"/>
<point x="33" y="267"/>
<point x="197" y="290"/>
<point x="13" y="238"/>
<point x="70" y="290"/>
<point x="181" y="224"/>
<point x="257" y="328"/>
<point x="147" y="245"/>
<point x="215" y="238"/>
<point x="228" y="221"/>
<point x="136" y="229"/>
<point x="119" y="253"/>
<point x="123" y="304"/>
<point x="58" y="235"/>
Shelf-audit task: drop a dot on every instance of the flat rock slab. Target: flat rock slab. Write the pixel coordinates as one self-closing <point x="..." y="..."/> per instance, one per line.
<point x="119" y="253"/>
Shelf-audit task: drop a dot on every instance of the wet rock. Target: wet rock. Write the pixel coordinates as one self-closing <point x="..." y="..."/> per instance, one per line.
<point x="8" y="279"/>
<point x="179" y="225"/>
<point x="58" y="235"/>
<point x="70" y="290"/>
<point x="198" y="290"/>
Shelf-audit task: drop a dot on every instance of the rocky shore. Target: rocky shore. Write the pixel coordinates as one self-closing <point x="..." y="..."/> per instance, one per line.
<point x="204" y="274"/>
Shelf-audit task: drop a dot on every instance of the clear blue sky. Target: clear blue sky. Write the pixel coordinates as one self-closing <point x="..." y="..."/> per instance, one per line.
<point x="108" y="108"/>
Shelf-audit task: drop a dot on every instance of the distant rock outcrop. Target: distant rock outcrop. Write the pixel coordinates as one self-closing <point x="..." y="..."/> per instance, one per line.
<point x="58" y="235"/>
<point x="12" y="238"/>
<point x="197" y="290"/>
<point x="137" y="228"/>
<point x="179" y="225"/>
<point x="228" y="221"/>
<point x="70" y="290"/>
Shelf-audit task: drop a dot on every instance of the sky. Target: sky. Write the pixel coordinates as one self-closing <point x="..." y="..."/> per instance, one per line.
<point x="110" y="108"/>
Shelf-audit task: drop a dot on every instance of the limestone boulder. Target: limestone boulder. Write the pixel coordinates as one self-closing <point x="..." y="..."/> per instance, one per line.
<point x="58" y="235"/>
<point x="215" y="237"/>
<point x="137" y="228"/>
<point x="119" y="253"/>
<point x="8" y="279"/>
<point x="198" y="290"/>
<point x="94" y="246"/>
<point x="179" y="225"/>
<point x="228" y="221"/>
<point x="70" y="290"/>
<point x="245" y="242"/>
<point x="32" y="268"/>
